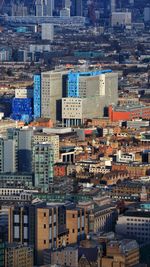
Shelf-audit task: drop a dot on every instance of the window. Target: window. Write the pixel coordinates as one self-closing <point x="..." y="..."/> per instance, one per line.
<point x="44" y="226"/>
<point x="44" y="214"/>
<point x="44" y="242"/>
<point x="73" y="231"/>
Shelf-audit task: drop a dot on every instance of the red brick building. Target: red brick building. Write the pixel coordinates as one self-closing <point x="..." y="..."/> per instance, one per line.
<point x="126" y="113"/>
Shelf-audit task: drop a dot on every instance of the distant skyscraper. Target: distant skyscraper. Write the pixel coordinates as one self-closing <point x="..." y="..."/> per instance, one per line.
<point x="66" y="3"/>
<point x="113" y="5"/>
<point x="43" y="162"/>
<point x="44" y="8"/>
<point x="76" y="8"/>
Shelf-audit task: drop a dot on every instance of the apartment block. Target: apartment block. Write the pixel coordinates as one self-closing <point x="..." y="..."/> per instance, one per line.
<point x="43" y="162"/>
<point x="48" y="138"/>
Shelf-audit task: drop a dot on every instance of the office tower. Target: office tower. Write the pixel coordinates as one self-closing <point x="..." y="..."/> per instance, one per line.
<point x="17" y="255"/>
<point x="47" y="31"/>
<point x="76" y="8"/>
<point x="51" y="91"/>
<point x="113" y="5"/>
<point x="25" y="150"/>
<point x="23" y="147"/>
<point x="147" y="14"/>
<point x="43" y="162"/>
<point x="48" y="138"/>
<point x="66" y="3"/>
<point x="39" y="225"/>
<point x="39" y="8"/>
<point x="7" y="156"/>
<point x="37" y="96"/>
<point x="50" y="7"/>
<point x="44" y="8"/>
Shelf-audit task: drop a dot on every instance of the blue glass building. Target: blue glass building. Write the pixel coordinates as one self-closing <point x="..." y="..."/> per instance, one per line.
<point x="73" y="81"/>
<point x="37" y="96"/>
<point x="22" y="109"/>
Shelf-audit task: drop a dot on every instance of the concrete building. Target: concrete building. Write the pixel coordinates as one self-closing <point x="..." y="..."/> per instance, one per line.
<point x="135" y="223"/>
<point x="121" y="19"/>
<point x="71" y="111"/>
<point x="125" y="157"/>
<point x="51" y="91"/>
<point x="18" y="255"/>
<point x="47" y="31"/>
<point x="52" y="139"/>
<point x="91" y="93"/>
<point x="43" y="161"/>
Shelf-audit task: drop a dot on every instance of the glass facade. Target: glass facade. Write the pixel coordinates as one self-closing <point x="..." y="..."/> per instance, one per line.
<point x="37" y="96"/>
<point x="73" y="81"/>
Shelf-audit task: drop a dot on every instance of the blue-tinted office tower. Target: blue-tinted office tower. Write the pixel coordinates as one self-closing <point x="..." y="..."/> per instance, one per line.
<point x="73" y="85"/>
<point x="37" y="96"/>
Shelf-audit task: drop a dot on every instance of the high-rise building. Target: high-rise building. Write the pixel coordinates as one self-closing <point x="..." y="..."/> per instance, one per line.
<point x="43" y="162"/>
<point x="51" y="91"/>
<point x="113" y="5"/>
<point x="23" y="147"/>
<point x="7" y="156"/>
<point x="37" y="96"/>
<point x="66" y="3"/>
<point x="48" y="138"/>
<point x="76" y="8"/>
<point x="44" y="8"/>
<point x="47" y="31"/>
<point x="25" y="150"/>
